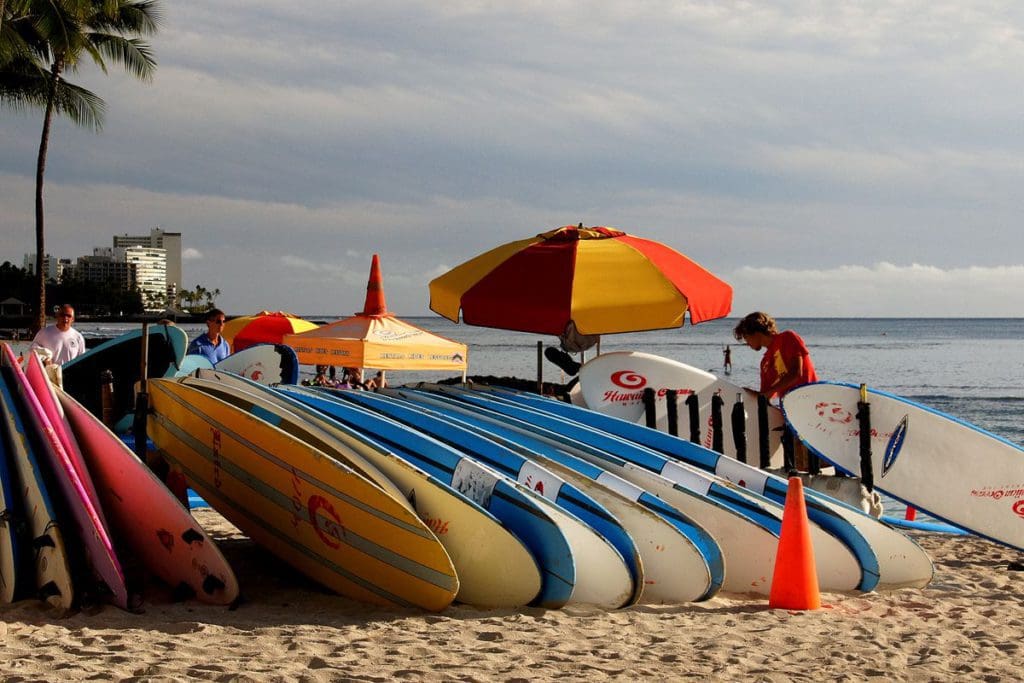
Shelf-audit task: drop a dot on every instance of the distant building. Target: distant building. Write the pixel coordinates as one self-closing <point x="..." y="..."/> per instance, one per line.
<point x="170" y="242"/>
<point x="107" y="266"/>
<point x="150" y="270"/>
<point x="52" y="267"/>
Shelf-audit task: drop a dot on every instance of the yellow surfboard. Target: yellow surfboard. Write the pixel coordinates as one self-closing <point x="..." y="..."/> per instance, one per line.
<point x="311" y="511"/>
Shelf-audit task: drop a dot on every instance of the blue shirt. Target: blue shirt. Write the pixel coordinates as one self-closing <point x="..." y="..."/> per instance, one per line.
<point x="203" y="346"/>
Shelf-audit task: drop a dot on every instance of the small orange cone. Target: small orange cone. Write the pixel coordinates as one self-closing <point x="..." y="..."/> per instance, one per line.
<point x="795" y="579"/>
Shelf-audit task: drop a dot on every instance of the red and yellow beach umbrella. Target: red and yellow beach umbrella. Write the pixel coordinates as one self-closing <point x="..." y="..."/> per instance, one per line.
<point x="265" y="327"/>
<point x="603" y="280"/>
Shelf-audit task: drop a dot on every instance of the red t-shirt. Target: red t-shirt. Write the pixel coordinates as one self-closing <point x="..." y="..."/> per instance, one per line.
<point x="782" y="352"/>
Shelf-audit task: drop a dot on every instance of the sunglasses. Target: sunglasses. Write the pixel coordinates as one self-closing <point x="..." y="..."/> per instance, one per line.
<point x="218" y="322"/>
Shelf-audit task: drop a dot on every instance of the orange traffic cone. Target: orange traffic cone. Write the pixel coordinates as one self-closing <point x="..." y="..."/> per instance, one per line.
<point x="795" y="579"/>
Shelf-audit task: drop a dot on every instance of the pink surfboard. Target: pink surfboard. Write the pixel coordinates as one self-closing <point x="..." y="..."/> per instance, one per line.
<point x="146" y="516"/>
<point x="45" y="392"/>
<point x="93" y="534"/>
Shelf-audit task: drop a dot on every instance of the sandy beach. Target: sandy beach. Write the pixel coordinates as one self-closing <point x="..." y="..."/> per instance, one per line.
<point x="966" y="624"/>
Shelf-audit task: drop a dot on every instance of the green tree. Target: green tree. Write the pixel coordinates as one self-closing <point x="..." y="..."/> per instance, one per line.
<point x="66" y="32"/>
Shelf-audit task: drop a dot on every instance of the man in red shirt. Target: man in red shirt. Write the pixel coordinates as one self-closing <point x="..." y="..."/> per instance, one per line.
<point x="786" y="362"/>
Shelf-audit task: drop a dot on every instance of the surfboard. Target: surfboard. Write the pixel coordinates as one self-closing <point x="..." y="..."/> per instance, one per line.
<point x="506" y="575"/>
<point x="46" y="395"/>
<point x="901" y="562"/>
<point x="192" y="362"/>
<point x="49" y="561"/>
<point x="613" y="384"/>
<point x="545" y="534"/>
<point x="840" y="567"/>
<point x="681" y="562"/>
<point x="122" y="356"/>
<point x="264" y="407"/>
<point x="748" y="549"/>
<point x="321" y="517"/>
<point x="147" y="518"/>
<point x="514" y="466"/>
<point x="948" y="468"/>
<point x="264" y="363"/>
<point x="10" y="546"/>
<point x="86" y="517"/>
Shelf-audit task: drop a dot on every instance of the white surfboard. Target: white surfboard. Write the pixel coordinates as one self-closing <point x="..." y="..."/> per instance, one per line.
<point x="264" y="363"/>
<point x="948" y="468"/>
<point x="614" y="383"/>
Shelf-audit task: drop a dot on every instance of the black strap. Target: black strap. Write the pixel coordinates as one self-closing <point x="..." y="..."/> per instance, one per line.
<point x="762" y="431"/>
<point x="867" y="475"/>
<point x="693" y="405"/>
<point x="650" y="408"/>
<point x="739" y="429"/>
<point x="717" y="443"/>
<point x="672" y="405"/>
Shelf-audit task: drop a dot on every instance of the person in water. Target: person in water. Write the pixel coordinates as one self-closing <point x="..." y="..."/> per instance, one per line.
<point x="727" y="360"/>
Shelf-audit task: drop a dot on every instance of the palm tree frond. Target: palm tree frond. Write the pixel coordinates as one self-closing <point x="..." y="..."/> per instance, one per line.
<point x="134" y="55"/>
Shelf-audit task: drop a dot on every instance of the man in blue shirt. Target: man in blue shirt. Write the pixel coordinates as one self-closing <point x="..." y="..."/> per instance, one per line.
<point x="212" y="344"/>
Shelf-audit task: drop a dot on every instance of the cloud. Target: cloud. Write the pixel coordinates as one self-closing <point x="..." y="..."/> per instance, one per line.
<point x="881" y="290"/>
<point x="791" y="135"/>
<point x="191" y="254"/>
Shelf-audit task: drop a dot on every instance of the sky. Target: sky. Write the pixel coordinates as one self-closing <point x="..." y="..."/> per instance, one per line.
<point x="825" y="159"/>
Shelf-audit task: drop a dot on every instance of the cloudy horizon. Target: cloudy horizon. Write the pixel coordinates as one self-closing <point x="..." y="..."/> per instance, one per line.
<point x="844" y="162"/>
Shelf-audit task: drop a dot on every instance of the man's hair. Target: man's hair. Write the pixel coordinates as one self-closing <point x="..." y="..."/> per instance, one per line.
<point x="213" y="313"/>
<point x="754" y="323"/>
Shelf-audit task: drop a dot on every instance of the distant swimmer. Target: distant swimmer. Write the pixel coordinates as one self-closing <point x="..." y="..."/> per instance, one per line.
<point x="727" y="360"/>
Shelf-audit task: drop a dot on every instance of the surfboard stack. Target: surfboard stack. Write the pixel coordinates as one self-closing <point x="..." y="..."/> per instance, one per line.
<point x="83" y="520"/>
<point x="936" y="463"/>
<point x="420" y="496"/>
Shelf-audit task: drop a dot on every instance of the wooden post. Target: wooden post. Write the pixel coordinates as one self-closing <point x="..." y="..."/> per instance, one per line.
<point x="142" y="398"/>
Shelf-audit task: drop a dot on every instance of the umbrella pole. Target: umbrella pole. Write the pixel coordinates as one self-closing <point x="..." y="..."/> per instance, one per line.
<point x="540" y="367"/>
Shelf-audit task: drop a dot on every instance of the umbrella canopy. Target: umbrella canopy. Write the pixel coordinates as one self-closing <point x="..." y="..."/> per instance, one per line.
<point x="265" y="327"/>
<point x="374" y="338"/>
<point x="601" y="279"/>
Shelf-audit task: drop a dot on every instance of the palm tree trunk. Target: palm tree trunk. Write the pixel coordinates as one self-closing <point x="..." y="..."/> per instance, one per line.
<point x="44" y="144"/>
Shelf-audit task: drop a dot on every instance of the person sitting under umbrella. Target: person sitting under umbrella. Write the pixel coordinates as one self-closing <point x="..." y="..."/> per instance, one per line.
<point x="572" y="341"/>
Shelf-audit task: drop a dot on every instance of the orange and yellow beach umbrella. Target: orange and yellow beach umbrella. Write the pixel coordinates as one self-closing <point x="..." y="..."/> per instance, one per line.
<point x="265" y="327"/>
<point x="603" y="280"/>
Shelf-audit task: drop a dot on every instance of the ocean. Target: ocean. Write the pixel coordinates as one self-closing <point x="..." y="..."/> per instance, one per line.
<point x="972" y="369"/>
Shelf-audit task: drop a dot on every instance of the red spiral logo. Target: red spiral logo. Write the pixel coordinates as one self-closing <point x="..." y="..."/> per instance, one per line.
<point x="1018" y="507"/>
<point x="628" y="379"/>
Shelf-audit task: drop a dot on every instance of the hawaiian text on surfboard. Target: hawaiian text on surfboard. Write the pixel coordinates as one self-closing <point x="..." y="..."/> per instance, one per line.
<point x="997" y="493"/>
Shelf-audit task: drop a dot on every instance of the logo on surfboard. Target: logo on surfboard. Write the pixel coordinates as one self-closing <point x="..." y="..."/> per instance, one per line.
<point x="628" y="379"/>
<point x="1018" y="507"/>
<point x="892" y="449"/>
